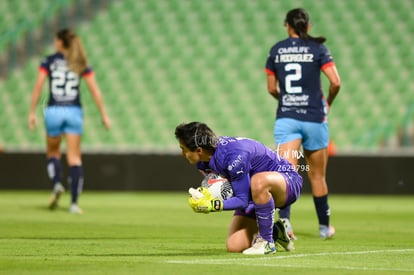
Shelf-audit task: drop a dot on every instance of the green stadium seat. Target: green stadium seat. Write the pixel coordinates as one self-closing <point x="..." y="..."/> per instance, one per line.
<point x="160" y="63"/>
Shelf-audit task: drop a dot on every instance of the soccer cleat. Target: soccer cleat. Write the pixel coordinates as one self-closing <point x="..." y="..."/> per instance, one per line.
<point x="261" y="247"/>
<point x="282" y="237"/>
<point x="75" y="209"/>
<point x="58" y="190"/>
<point x="326" y="232"/>
<point x="289" y="229"/>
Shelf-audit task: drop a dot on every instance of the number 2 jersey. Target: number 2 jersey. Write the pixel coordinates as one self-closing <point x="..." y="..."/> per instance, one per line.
<point x="63" y="83"/>
<point x="297" y="65"/>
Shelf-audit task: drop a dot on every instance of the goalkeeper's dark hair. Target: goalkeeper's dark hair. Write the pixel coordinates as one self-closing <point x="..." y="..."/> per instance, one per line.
<point x="298" y="19"/>
<point x="196" y="134"/>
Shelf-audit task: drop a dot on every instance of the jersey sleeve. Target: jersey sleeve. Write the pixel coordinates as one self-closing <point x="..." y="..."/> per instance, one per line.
<point x="325" y="57"/>
<point x="44" y="66"/>
<point x="241" y="191"/>
<point x="87" y="72"/>
<point x="270" y="65"/>
<point x="238" y="167"/>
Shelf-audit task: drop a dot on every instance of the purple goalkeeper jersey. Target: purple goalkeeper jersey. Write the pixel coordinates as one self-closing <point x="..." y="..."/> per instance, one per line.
<point x="238" y="159"/>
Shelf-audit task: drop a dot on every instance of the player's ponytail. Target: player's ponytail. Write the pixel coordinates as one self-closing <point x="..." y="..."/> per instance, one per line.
<point x="298" y="19"/>
<point x="75" y="53"/>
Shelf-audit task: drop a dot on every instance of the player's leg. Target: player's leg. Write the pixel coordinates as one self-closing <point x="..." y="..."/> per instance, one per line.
<point x="316" y="156"/>
<point x="54" y="166"/>
<point x="75" y="170"/>
<point x="54" y="169"/>
<point x="243" y="230"/>
<point x="74" y="129"/>
<point x="241" y="233"/>
<point x="268" y="192"/>
<point x="289" y="151"/>
<point x="288" y="142"/>
<point x="317" y="161"/>
<point x="53" y="122"/>
<point x="281" y="234"/>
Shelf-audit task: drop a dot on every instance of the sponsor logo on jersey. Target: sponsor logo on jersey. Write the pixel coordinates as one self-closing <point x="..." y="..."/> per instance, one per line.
<point x="235" y="163"/>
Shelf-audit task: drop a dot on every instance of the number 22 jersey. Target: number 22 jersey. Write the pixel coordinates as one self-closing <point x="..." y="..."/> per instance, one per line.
<point x="63" y="83"/>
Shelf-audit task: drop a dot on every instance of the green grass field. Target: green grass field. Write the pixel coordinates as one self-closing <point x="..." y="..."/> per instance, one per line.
<point x="157" y="233"/>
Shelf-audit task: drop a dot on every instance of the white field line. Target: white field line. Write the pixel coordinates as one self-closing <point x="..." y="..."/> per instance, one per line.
<point x="253" y="261"/>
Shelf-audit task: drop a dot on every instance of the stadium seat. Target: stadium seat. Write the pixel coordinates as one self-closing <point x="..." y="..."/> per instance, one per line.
<point x="160" y="63"/>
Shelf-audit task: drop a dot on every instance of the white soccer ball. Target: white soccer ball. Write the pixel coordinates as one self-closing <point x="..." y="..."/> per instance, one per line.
<point x="219" y="187"/>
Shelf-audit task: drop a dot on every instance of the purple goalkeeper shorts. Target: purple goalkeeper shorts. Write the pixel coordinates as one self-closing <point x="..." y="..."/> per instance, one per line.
<point x="294" y="187"/>
<point x="293" y="191"/>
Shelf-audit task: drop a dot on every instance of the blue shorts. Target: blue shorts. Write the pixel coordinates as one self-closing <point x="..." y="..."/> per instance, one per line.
<point x="293" y="190"/>
<point x="63" y="119"/>
<point x="314" y="135"/>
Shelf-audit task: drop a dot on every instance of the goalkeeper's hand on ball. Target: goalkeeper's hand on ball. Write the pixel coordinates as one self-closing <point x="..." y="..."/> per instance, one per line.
<point x="205" y="203"/>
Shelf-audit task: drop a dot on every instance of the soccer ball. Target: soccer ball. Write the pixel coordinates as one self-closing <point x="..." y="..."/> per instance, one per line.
<point x="218" y="186"/>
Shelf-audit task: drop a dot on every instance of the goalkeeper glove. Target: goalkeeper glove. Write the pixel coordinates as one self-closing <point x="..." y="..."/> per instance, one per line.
<point x="205" y="204"/>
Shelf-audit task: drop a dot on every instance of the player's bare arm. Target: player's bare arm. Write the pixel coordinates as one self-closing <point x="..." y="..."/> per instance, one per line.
<point x="37" y="90"/>
<point x="272" y="86"/>
<point x="335" y="83"/>
<point x="97" y="96"/>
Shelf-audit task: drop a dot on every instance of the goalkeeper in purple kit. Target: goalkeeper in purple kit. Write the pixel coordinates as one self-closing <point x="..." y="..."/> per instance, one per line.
<point x="261" y="180"/>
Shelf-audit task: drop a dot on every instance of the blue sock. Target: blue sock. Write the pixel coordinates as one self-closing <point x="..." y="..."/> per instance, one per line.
<point x="285" y="213"/>
<point x="322" y="209"/>
<point x="265" y="219"/>
<point x="54" y="170"/>
<point x="75" y="181"/>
